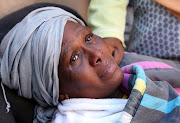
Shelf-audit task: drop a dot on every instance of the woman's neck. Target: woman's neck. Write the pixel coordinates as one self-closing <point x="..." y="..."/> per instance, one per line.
<point x="116" y="94"/>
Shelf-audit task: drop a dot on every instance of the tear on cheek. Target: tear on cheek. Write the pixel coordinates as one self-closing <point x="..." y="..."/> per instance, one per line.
<point x="70" y="68"/>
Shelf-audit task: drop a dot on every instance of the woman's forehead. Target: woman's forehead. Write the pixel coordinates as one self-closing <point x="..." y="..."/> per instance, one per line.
<point x="72" y="31"/>
<point x="75" y="27"/>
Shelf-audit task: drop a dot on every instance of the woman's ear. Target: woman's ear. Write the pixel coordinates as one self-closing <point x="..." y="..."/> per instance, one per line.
<point x="116" y="48"/>
<point x="63" y="96"/>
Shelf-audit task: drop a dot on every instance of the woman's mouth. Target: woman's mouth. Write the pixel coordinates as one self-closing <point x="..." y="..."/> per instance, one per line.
<point x="109" y="70"/>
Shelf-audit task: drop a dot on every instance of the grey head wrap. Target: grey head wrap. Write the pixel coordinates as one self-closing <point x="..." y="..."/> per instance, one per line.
<point x="29" y="54"/>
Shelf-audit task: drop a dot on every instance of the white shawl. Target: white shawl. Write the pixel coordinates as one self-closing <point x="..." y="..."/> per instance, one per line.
<point x="90" y="111"/>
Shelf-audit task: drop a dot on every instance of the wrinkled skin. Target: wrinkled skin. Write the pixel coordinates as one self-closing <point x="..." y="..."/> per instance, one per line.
<point x="87" y="66"/>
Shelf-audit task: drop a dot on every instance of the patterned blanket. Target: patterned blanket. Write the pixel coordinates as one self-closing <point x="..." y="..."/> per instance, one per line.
<point x="153" y="86"/>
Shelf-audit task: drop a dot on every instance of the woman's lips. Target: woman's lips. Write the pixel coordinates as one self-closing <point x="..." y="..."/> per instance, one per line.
<point x="108" y="71"/>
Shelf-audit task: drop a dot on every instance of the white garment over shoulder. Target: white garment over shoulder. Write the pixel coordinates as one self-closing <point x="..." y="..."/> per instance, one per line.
<point x="89" y="110"/>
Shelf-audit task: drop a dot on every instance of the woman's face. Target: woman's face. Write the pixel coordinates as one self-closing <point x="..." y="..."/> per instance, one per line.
<point x="87" y="68"/>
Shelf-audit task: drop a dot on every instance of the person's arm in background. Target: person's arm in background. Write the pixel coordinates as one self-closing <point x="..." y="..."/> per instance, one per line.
<point x="107" y="19"/>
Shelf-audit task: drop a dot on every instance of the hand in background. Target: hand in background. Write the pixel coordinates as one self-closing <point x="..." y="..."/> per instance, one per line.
<point x="116" y="48"/>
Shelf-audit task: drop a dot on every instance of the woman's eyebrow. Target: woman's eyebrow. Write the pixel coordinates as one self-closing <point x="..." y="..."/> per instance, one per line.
<point x="82" y="30"/>
<point x="65" y="53"/>
<point x="66" y="48"/>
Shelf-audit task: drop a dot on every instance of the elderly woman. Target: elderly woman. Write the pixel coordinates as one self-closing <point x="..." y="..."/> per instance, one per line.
<point x="51" y="56"/>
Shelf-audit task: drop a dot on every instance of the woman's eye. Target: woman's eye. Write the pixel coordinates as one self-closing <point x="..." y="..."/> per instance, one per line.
<point x="74" y="58"/>
<point x="89" y="38"/>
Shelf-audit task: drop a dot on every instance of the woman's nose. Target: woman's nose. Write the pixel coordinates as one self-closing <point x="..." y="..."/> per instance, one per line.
<point x="94" y="55"/>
